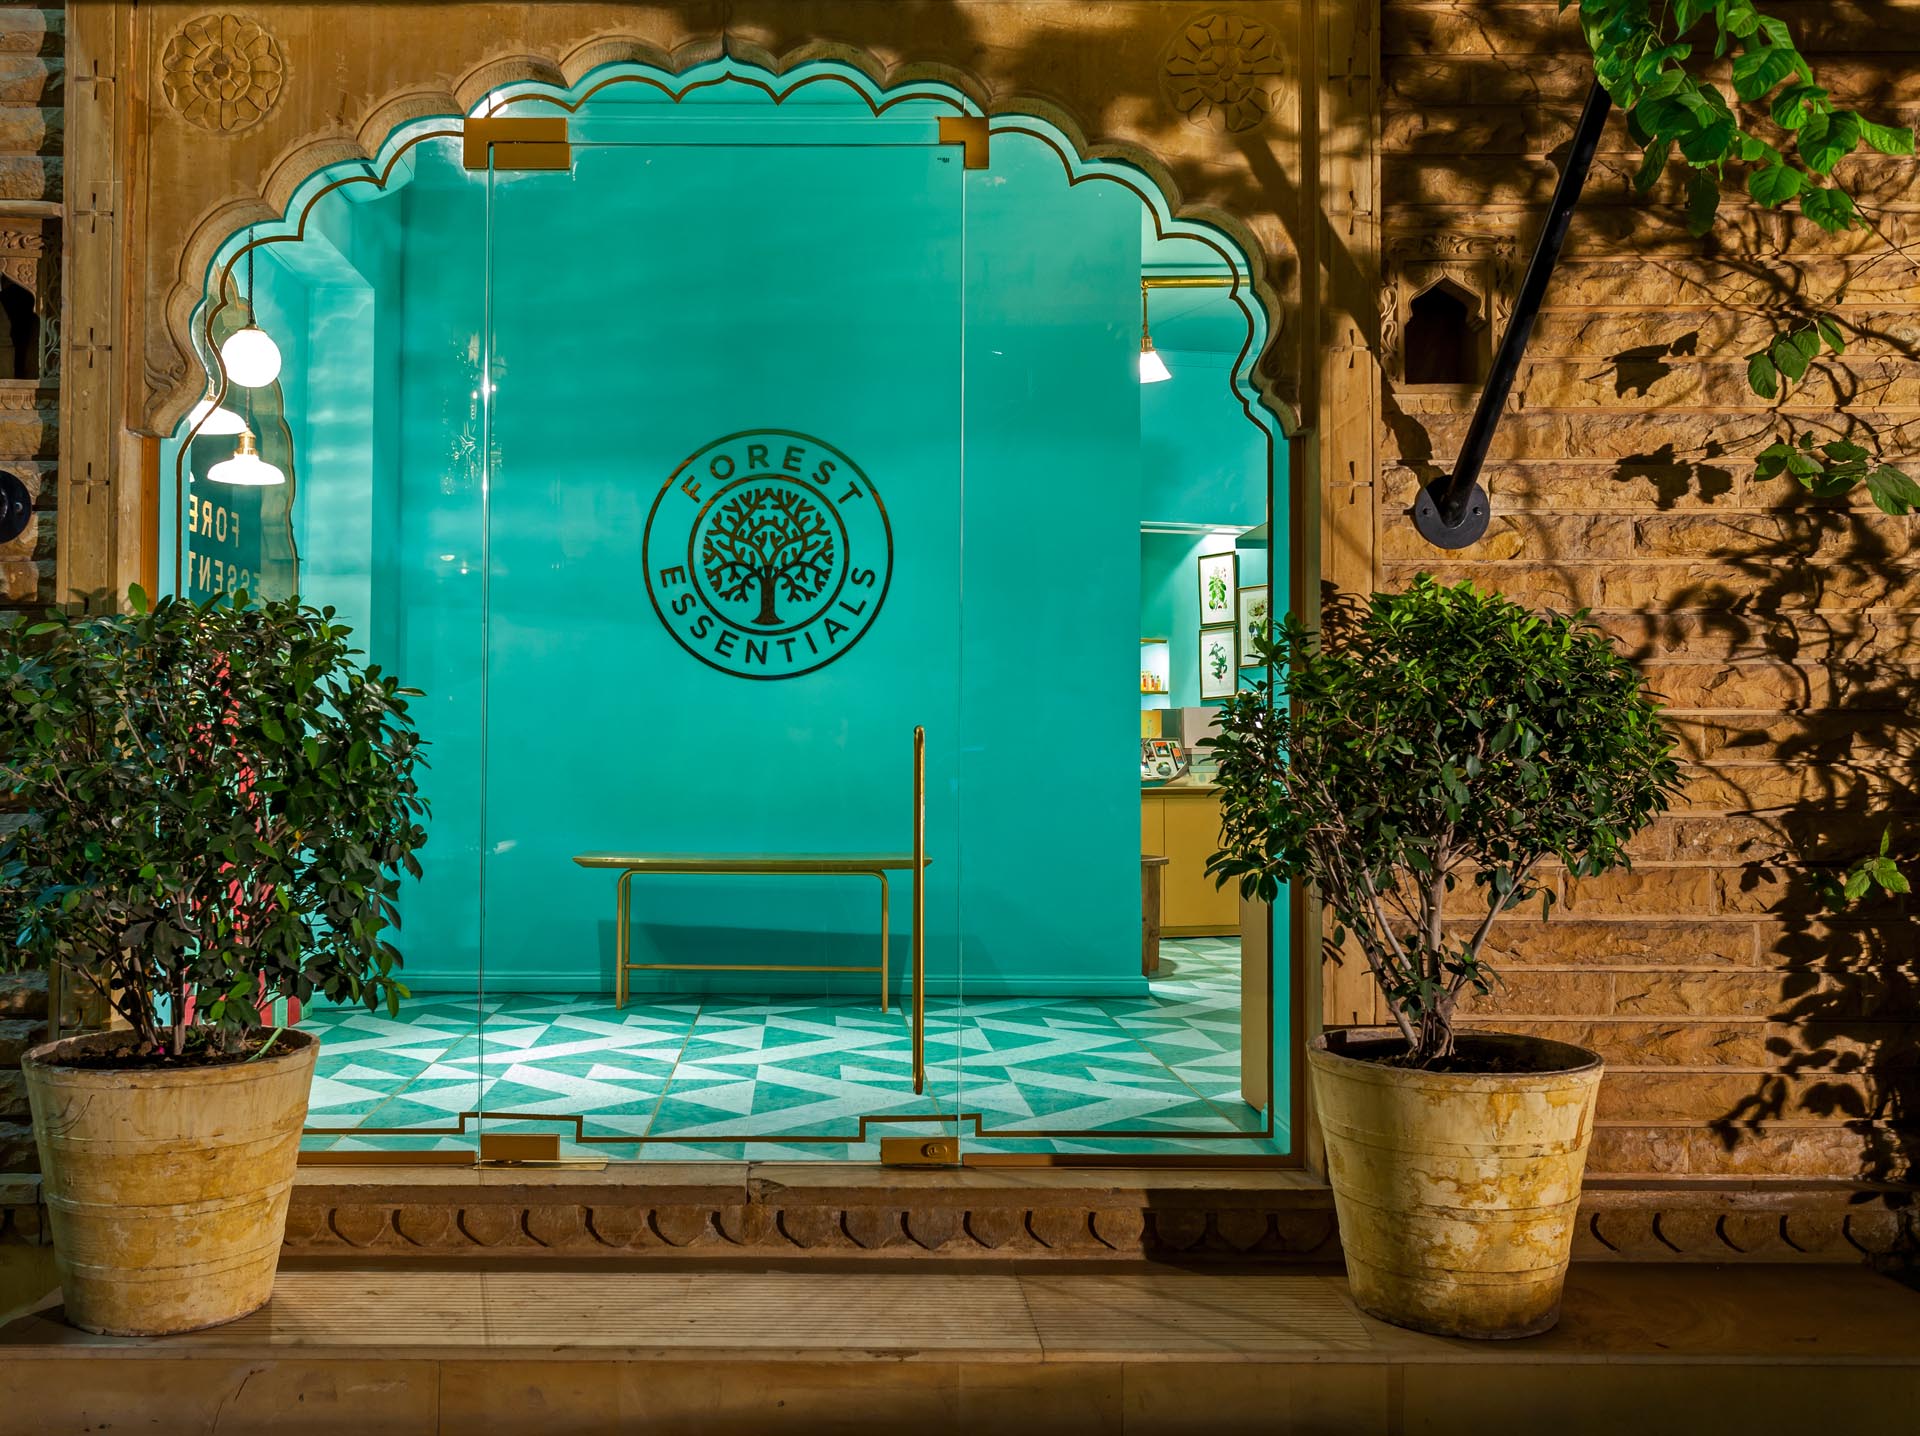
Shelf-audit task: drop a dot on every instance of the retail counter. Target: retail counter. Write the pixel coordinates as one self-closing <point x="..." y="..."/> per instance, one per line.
<point x="1181" y="821"/>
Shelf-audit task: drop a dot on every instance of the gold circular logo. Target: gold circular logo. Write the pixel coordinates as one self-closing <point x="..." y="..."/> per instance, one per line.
<point x="768" y="554"/>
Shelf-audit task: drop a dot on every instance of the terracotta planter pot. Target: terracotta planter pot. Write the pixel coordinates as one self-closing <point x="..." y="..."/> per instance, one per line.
<point x="1456" y="1191"/>
<point x="167" y="1190"/>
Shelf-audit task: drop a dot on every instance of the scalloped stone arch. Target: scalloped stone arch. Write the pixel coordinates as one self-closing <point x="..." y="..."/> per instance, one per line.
<point x="171" y="372"/>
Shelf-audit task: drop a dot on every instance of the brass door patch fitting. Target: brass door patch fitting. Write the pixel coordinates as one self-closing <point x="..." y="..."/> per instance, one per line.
<point x="920" y="1151"/>
<point x="516" y="143"/>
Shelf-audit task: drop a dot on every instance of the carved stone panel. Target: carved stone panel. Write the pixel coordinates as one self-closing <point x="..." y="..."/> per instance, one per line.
<point x="222" y="72"/>
<point x="1221" y="71"/>
<point x="1479" y="268"/>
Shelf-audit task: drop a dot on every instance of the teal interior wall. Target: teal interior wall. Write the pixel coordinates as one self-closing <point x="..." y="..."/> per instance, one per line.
<point x="831" y="309"/>
<point x="437" y="559"/>
<point x="348" y="463"/>
<point x="935" y="327"/>
<point x="1050" y="841"/>
<point x="1201" y="461"/>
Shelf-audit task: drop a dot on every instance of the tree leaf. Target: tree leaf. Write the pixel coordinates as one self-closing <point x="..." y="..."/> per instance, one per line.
<point x="1788" y="358"/>
<point x="1703" y="202"/>
<point x="1796" y="104"/>
<point x="1762" y="377"/>
<point x="1688" y="13"/>
<point x="1652" y="164"/>
<point x="1824" y="145"/>
<point x="1830" y="208"/>
<point x="1774" y="185"/>
<point x="1760" y="68"/>
<point x="1888" y="139"/>
<point x="1771" y="461"/>
<point x="1892" y="490"/>
<point x="1665" y="118"/>
<point x="1648" y="67"/>
<point x="1738" y="17"/>
<point x="1708" y="143"/>
<point x="1830" y="331"/>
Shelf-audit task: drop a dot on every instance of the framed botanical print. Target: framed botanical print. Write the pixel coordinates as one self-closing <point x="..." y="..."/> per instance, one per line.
<point x="1219" y="577"/>
<point x="1219" y="662"/>
<point x="1253" y="618"/>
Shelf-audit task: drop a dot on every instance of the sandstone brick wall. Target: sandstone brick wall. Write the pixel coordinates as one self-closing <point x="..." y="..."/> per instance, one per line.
<point x="32" y="74"/>
<point x="1747" y="1032"/>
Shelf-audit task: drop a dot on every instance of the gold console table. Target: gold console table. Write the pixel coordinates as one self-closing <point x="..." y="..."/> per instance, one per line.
<point x="875" y="865"/>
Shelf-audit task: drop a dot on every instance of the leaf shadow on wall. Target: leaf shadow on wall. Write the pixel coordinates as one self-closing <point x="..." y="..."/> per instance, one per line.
<point x="1805" y="791"/>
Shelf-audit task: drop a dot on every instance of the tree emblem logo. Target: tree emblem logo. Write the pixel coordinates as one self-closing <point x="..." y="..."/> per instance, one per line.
<point x="768" y="554"/>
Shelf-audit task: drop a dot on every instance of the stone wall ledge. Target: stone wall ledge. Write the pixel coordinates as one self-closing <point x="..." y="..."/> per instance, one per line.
<point x="756" y="1212"/>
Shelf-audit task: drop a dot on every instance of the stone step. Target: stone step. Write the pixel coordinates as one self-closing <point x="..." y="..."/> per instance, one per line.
<point x="505" y="1349"/>
<point x="32" y="79"/>
<point x="13" y="1097"/>
<point x="743" y="1211"/>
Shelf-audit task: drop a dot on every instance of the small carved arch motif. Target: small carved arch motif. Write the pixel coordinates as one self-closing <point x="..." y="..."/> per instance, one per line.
<point x="1444" y="322"/>
<point x="1446" y="298"/>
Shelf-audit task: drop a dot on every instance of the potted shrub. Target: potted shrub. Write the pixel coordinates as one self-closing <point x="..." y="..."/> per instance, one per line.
<point x="217" y="802"/>
<point x="1422" y="763"/>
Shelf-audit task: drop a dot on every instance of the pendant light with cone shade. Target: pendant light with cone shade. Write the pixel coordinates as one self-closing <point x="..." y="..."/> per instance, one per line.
<point x="249" y="355"/>
<point x="1153" y="369"/>
<point x="246" y="468"/>
<point x="208" y="420"/>
<point x="252" y="371"/>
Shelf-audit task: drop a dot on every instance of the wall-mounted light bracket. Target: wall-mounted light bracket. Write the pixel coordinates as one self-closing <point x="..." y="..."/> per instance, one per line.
<point x="1452" y="511"/>
<point x="970" y="133"/>
<point x="516" y="143"/>
<point x="16" y="507"/>
<point x="1456" y="527"/>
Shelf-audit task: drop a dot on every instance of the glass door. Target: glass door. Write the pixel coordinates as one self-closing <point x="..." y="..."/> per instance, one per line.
<point x="719" y="890"/>
<point x="1117" y="522"/>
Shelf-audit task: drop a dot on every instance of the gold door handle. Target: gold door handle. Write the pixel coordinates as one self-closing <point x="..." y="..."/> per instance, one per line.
<point x="919" y="910"/>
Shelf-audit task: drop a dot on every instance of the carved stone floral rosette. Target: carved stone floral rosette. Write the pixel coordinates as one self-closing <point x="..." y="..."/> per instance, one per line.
<point x="1220" y="72"/>
<point x="222" y="72"/>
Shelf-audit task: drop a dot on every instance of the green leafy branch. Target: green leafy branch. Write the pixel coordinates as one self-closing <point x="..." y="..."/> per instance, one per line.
<point x="1791" y="353"/>
<point x="1660" y="78"/>
<point x="1667" y="63"/>
<point x="1831" y="469"/>
<point x="1878" y="871"/>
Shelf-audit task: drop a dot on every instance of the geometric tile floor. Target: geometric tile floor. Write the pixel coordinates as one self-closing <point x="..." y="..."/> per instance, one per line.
<point x="731" y="1078"/>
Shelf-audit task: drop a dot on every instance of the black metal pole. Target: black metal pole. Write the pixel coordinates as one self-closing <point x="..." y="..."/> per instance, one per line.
<point x="1452" y="511"/>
